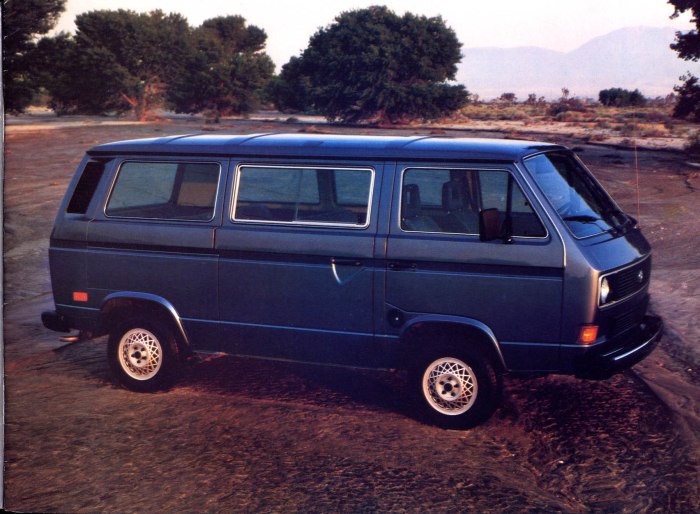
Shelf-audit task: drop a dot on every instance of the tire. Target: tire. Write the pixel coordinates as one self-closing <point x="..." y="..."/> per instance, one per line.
<point x="455" y="388"/>
<point x="143" y="354"/>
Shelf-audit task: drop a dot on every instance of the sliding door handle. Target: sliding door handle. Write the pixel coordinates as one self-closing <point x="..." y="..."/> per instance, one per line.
<point x="346" y="262"/>
<point x="403" y="266"/>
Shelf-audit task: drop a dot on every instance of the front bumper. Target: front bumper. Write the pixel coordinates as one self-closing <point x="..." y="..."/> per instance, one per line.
<point x="603" y="361"/>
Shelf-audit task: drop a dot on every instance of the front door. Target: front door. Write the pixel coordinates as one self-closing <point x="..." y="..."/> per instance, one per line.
<point x="437" y="264"/>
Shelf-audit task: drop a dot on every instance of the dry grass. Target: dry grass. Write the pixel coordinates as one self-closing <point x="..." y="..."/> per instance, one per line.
<point x="587" y="119"/>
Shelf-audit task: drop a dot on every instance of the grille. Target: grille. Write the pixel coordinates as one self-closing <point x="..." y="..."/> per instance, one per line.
<point x="626" y="282"/>
<point x="626" y="321"/>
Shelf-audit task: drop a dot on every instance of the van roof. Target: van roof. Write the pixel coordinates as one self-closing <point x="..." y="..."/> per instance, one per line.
<point x="329" y="145"/>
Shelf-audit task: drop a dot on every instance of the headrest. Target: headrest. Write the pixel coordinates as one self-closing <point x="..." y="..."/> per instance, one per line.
<point x="411" y="201"/>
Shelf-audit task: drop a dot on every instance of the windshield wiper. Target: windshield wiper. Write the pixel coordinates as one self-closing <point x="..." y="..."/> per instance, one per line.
<point x="582" y="218"/>
<point x="626" y="218"/>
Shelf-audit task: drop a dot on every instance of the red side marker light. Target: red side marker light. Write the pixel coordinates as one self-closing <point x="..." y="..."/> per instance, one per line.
<point x="588" y="334"/>
<point x="80" y="296"/>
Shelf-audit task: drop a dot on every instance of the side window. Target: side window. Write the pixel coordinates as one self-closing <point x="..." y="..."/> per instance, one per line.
<point x="85" y="189"/>
<point x="494" y="188"/>
<point x="494" y="191"/>
<point x="278" y="186"/>
<point x="423" y="208"/>
<point x="351" y="187"/>
<point x="497" y="188"/>
<point x="303" y="195"/>
<point x="449" y="201"/>
<point x="164" y="190"/>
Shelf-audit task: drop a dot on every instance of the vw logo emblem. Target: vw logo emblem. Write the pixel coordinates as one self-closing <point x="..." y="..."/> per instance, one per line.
<point x="640" y="276"/>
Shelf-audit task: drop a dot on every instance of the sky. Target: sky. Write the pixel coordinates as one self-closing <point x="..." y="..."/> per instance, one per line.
<point x="561" y="25"/>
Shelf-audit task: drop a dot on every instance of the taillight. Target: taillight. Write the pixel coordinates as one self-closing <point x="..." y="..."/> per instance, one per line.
<point x="80" y="296"/>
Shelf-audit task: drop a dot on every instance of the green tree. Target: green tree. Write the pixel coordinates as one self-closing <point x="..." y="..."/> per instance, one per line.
<point x="619" y="97"/>
<point x="688" y="47"/>
<point x="22" y="21"/>
<point x="78" y="80"/>
<point x="688" y="104"/>
<point x="117" y="61"/>
<point x="290" y="90"/>
<point x="225" y="70"/>
<point x="372" y="64"/>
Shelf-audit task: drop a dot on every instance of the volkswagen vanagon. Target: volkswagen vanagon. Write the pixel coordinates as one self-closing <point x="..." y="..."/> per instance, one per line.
<point x="455" y="259"/>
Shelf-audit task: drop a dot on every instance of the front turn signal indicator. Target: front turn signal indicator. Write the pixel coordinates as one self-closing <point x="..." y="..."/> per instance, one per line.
<point x="588" y="334"/>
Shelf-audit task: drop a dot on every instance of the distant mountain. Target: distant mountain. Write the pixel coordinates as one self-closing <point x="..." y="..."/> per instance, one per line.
<point x="631" y="58"/>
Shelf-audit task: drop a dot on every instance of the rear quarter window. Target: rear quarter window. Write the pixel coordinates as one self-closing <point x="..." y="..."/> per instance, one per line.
<point x="165" y="190"/>
<point x="86" y="187"/>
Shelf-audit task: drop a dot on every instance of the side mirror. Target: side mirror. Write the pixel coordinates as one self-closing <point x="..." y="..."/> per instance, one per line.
<point x="489" y="224"/>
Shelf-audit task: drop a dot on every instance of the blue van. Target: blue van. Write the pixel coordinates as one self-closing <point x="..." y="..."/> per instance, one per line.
<point x="455" y="259"/>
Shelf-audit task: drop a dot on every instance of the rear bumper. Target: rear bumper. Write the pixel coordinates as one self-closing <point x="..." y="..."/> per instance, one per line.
<point x="620" y="353"/>
<point x="56" y="322"/>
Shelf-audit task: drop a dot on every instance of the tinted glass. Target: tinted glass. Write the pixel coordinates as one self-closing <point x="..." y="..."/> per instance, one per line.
<point x="494" y="192"/>
<point x="165" y="190"/>
<point x="278" y="185"/>
<point x="576" y="196"/>
<point x="85" y="189"/>
<point x="443" y="200"/>
<point x="303" y="195"/>
<point x="352" y="187"/>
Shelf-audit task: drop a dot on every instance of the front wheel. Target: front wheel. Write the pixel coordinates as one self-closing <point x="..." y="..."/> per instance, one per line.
<point x="143" y="354"/>
<point x="455" y="387"/>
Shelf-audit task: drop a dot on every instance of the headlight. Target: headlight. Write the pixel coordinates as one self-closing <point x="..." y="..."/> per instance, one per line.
<point x="604" y="291"/>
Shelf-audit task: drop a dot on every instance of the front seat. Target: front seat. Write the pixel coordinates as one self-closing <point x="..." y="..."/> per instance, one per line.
<point x="412" y="212"/>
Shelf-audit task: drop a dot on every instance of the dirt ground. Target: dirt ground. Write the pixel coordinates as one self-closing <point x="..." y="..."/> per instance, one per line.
<point x="248" y="436"/>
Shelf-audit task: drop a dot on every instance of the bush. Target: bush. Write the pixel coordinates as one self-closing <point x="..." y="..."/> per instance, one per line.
<point x="688" y="105"/>
<point x="510" y="115"/>
<point x="693" y="146"/>
<point x="629" y="129"/>
<point x="571" y="116"/>
<point x="508" y="98"/>
<point x="619" y="97"/>
<point x="567" y="104"/>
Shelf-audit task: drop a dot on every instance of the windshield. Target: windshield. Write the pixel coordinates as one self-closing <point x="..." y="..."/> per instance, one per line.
<point x="578" y="199"/>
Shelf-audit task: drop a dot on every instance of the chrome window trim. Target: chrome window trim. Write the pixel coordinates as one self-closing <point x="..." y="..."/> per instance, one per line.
<point x="177" y="220"/>
<point x="618" y="270"/>
<point x="453" y="168"/>
<point x="526" y="179"/>
<point x="234" y="196"/>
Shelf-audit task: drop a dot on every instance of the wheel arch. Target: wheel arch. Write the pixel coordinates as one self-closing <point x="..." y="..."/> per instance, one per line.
<point x="419" y="330"/>
<point x="118" y="306"/>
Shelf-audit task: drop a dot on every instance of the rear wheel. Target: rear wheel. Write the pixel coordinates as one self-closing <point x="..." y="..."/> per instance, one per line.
<point x="143" y="354"/>
<point x="455" y="387"/>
